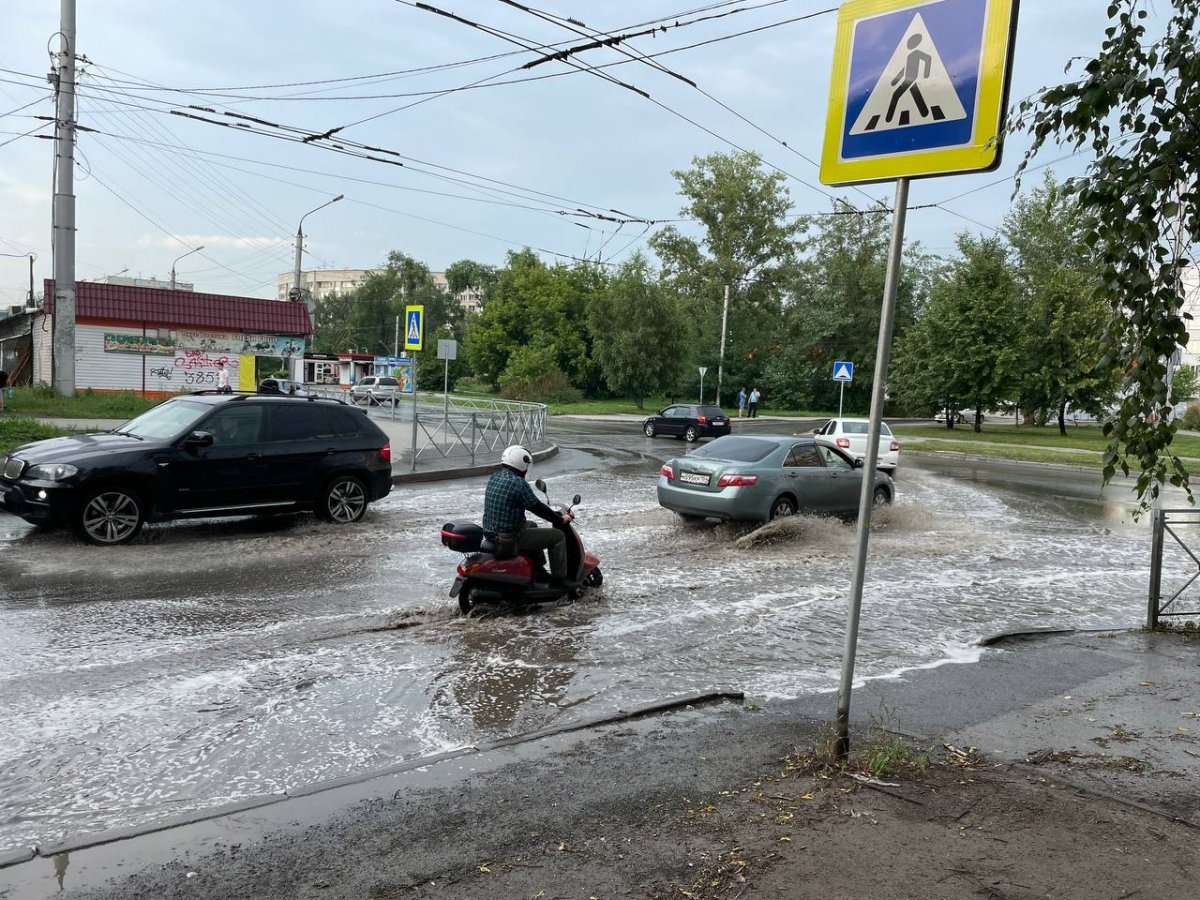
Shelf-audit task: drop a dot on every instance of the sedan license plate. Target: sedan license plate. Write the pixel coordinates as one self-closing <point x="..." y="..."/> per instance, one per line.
<point x="694" y="478"/>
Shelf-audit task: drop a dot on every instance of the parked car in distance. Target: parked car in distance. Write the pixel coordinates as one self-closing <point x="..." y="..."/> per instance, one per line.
<point x="851" y="436"/>
<point x="282" y="386"/>
<point x="688" y="421"/>
<point x="376" y="390"/>
<point x="206" y="454"/>
<point x="763" y="477"/>
<point x="956" y="416"/>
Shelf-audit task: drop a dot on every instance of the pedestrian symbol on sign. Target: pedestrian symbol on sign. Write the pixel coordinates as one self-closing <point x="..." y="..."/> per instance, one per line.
<point x="414" y="328"/>
<point x="843" y="371"/>
<point x="913" y="89"/>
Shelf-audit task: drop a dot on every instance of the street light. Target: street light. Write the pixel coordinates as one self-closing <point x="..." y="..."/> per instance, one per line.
<point x="296" y="294"/>
<point x="189" y="253"/>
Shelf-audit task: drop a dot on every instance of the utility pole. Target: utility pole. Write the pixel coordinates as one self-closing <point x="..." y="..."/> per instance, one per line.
<point x="721" y="360"/>
<point x="63" y="232"/>
<point x="396" y="340"/>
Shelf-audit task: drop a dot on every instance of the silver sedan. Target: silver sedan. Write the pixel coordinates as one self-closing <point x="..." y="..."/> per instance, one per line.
<point x="763" y="477"/>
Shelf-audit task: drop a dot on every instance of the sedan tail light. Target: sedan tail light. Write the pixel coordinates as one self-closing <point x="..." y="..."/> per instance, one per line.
<point x="895" y="446"/>
<point x="668" y="471"/>
<point x="733" y="479"/>
<point x="385" y="452"/>
<point x="701" y="420"/>
<point x="844" y="443"/>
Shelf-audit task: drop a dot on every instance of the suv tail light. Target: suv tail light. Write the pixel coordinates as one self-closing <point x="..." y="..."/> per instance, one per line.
<point x="385" y="452"/>
<point x="668" y="471"/>
<point x="701" y="420"/>
<point x="733" y="479"/>
<point x="844" y="443"/>
<point x="895" y="446"/>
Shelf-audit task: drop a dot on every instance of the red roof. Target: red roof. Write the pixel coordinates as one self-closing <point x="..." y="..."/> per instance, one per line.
<point x="186" y="309"/>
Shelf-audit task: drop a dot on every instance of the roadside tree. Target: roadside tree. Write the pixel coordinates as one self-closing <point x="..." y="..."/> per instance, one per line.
<point x="748" y="242"/>
<point x="1064" y="318"/>
<point x="964" y="350"/>
<point x="1137" y="106"/>
<point x="638" y="332"/>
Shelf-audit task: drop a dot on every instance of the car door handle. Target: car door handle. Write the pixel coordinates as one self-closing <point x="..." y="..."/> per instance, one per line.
<point x="164" y="463"/>
<point x="253" y="456"/>
<point x="329" y="451"/>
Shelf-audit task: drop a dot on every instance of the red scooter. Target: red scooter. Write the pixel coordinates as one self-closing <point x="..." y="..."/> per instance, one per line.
<point x="488" y="575"/>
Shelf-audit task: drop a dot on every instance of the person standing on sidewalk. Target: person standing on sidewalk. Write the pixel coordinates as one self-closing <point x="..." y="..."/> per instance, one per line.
<point x="755" y="396"/>
<point x="742" y="402"/>
<point x="223" y="379"/>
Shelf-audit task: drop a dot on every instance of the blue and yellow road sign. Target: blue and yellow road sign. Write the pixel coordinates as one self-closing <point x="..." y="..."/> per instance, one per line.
<point x="919" y="88"/>
<point x="414" y="328"/>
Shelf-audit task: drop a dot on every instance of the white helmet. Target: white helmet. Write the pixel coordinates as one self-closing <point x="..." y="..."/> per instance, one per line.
<point x="517" y="457"/>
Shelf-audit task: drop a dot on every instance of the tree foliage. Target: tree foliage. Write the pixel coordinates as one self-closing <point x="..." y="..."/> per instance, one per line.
<point x="749" y="242"/>
<point x="1137" y="107"/>
<point x="638" y="332"/>
<point x="963" y="352"/>
<point x="1064" y="319"/>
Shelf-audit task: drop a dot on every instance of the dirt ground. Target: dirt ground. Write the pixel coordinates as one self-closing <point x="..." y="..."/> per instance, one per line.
<point x="959" y="829"/>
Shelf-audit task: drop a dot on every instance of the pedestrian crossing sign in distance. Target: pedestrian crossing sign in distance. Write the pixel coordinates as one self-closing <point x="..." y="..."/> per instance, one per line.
<point x="414" y="328"/>
<point x="919" y="88"/>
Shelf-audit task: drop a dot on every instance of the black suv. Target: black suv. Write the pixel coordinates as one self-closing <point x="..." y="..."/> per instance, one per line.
<point x="688" y="421"/>
<point x="204" y="454"/>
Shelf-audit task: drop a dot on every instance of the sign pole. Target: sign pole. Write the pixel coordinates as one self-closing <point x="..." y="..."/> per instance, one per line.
<point x="446" y="392"/>
<point x="867" y="496"/>
<point x="413" y="357"/>
<point x="841" y="396"/>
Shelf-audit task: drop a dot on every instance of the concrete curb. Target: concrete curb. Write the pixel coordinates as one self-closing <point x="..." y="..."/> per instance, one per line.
<point x="463" y="471"/>
<point x="18" y="855"/>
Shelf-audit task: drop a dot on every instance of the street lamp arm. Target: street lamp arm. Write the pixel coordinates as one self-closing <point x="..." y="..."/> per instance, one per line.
<point x="300" y="227"/>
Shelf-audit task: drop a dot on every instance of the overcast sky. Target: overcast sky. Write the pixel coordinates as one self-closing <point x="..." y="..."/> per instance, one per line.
<point x="152" y="185"/>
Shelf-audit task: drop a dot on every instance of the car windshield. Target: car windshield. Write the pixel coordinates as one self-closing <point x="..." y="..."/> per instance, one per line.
<point x="738" y="449"/>
<point x="166" y="420"/>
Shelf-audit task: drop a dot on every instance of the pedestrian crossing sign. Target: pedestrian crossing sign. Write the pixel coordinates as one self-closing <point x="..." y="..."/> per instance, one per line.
<point x="919" y="88"/>
<point x="843" y="371"/>
<point x="414" y="328"/>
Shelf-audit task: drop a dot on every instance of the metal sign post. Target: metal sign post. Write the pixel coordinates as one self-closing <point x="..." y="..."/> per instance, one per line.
<point x="703" y="369"/>
<point x="414" y="342"/>
<point x="447" y="350"/>
<point x="843" y="373"/>
<point x="918" y="89"/>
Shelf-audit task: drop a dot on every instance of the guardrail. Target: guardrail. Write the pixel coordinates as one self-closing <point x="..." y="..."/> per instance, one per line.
<point x="1165" y="522"/>
<point x="447" y="427"/>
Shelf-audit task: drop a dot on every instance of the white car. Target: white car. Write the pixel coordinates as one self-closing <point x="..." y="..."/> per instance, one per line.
<point x="376" y="390"/>
<point x="851" y="436"/>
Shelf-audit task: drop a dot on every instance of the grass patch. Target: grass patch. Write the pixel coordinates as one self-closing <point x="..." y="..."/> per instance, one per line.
<point x="40" y="400"/>
<point x="18" y="430"/>
<point x="878" y="753"/>
<point x="1079" y="437"/>
<point x="1016" y="454"/>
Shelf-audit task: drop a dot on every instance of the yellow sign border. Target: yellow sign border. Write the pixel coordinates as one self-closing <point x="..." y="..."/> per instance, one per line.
<point x="419" y="345"/>
<point x="981" y="155"/>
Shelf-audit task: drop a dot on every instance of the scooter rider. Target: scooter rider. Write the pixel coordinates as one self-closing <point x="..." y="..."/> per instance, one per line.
<point x="505" y="502"/>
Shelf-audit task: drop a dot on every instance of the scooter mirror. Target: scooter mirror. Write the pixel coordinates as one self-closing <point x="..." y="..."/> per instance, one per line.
<point x="575" y="501"/>
<point x="540" y="485"/>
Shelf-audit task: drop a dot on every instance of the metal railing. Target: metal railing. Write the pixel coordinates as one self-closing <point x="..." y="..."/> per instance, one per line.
<point x="1165" y="522"/>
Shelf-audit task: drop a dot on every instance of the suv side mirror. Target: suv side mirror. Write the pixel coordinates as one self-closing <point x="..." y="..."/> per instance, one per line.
<point x="858" y="463"/>
<point x="198" y="439"/>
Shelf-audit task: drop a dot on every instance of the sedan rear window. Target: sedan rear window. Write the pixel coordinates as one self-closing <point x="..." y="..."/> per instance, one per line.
<point x="711" y="411"/>
<point x="855" y="427"/>
<point x="738" y="449"/>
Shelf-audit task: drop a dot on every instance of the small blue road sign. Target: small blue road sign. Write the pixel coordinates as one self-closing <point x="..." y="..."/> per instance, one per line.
<point x="919" y="88"/>
<point x="843" y="371"/>
<point x="414" y="327"/>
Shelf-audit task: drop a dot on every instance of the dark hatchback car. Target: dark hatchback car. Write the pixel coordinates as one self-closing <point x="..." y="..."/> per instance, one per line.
<point x="690" y="422"/>
<point x="204" y="454"/>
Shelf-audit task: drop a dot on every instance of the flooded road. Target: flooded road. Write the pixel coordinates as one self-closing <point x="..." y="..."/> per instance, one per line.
<point x="218" y="660"/>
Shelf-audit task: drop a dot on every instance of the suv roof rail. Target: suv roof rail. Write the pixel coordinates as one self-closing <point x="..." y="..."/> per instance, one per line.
<point x="246" y="395"/>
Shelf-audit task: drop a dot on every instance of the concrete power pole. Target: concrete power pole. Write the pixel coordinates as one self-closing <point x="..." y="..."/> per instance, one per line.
<point x="63" y="347"/>
<point x="721" y="358"/>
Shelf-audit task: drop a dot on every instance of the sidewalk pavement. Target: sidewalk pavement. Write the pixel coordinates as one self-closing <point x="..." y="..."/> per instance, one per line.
<point x="1083" y="786"/>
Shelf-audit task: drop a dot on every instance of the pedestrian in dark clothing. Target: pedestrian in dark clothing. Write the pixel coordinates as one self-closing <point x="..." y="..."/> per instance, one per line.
<point x="3" y="388"/>
<point x="755" y="396"/>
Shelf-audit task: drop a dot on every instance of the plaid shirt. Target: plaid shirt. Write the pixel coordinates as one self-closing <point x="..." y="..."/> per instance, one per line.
<point x="505" y="501"/>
